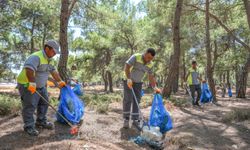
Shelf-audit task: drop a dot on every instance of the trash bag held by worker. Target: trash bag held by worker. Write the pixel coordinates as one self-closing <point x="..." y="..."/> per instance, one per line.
<point x="142" y="93"/>
<point x="230" y="94"/>
<point x="206" y="95"/>
<point x="159" y="117"/>
<point x="70" y="106"/>
<point x="78" y="90"/>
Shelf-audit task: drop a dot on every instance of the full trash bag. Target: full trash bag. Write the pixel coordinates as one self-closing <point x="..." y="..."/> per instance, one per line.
<point x="206" y="95"/>
<point x="78" y="90"/>
<point x="70" y="106"/>
<point x="159" y="117"/>
<point x="230" y="94"/>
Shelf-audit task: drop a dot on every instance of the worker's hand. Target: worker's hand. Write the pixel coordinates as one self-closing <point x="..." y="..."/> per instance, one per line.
<point x="61" y="84"/>
<point x="130" y="83"/>
<point x="157" y="90"/>
<point x="32" y="87"/>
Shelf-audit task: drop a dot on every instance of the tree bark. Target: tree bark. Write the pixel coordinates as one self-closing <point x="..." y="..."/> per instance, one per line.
<point x="241" y="79"/>
<point x="174" y="66"/>
<point x="242" y="72"/>
<point x="209" y="56"/>
<point x="44" y="34"/>
<point x="104" y="77"/>
<point x="247" y="7"/>
<point x="32" y="49"/>
<point x="110" y="81"/>
<point x="228" y="78"/>
<point x="66" y="10"/>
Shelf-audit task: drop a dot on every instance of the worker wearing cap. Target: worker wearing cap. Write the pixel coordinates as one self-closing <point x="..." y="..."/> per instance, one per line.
<point x="135" y="68"/>
<point x="194" y="79"/>
<point x="33" y="78"/>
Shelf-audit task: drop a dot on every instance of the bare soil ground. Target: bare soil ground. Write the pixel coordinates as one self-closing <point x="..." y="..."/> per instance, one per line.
<point x="194" y="128"/>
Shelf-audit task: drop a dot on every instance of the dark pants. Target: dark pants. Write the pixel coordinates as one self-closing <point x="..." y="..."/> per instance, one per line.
<point x="128" y="100"/>
<point x="193" y="89"/>
<point x="32" y="102"/>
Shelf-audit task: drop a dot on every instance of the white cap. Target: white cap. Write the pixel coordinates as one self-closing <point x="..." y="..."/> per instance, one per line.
<point x="54" y="45"/>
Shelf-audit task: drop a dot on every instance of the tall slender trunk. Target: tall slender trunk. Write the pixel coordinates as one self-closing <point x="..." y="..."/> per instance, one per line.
<point x="247" y="7"/>
<point x="104" y="77"/>
<point x="64" y="19"/>
<point x="32" y="49"/>
<point x="184" y="67"/>
<point x="110" y="81"/>
<point x="209" y="56"/>
<point x="241" y="79"/>
<point x="242" y="72"/>
<point x="228" y="78"/>
<point x="44" y="34"/>
<point x="174" y="66"/>
<point x="66" y="9"/>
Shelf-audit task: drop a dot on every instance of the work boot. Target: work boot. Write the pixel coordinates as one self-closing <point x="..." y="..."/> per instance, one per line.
<point x="197" y="103"/>
<point x="126" y="124"/>
<point x="45" y="125"/>
<point x="31" y="131"/>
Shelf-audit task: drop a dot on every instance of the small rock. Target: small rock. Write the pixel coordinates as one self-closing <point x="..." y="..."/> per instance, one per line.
<point x="235" y="146"/>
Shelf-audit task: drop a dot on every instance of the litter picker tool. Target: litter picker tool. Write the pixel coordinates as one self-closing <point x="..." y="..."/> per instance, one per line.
<point x="74" y="128"/>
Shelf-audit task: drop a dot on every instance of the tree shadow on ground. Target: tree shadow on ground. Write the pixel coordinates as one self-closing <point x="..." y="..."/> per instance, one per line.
<point x="21" y="140"/>
<point x="211" y="137"/>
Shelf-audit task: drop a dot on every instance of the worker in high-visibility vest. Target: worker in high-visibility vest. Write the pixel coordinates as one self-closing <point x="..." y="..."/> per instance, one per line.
<point x="194" y="79"/>
<point x="135" y="68"/>
<point x="33" y="78"/>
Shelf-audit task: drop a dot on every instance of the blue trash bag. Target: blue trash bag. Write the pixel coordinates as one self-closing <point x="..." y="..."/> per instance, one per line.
<point x="78" y="90"/>
<point x="159" y="116"/>
<point x="206" y="95"/>
<point x="142" y="93"/>
<point x="230" y="94"/>
<point x="70" y="106"/>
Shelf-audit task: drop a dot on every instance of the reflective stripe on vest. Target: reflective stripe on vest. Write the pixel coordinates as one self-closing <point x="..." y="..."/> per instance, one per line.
<point x="139" y="60"/>
<point x="22" y="77"/>
<point x="190" y="78"/>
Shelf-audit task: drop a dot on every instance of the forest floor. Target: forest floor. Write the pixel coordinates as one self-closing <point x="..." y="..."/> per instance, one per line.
<point x="194" y="128"/>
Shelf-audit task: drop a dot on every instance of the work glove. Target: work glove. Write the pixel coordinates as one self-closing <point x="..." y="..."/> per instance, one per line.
<point x="61" y="84"/>
<point x="129" y="83"/>
<point x="32" y="87"/>
<point x="157" y="90"/>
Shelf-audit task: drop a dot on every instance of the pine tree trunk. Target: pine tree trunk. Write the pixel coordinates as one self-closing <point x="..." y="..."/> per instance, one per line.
<point x="241" y="79"/>
<point x="228" y="78"/>
<point x="209" y="56"/>
<point x="32" y="49"/>
<point x="110" y="81"/>
<point x="104" y="77"/>
<point x="64" y="19"/>
<point x="247" y="7"/>
<point x="174" y="66"/>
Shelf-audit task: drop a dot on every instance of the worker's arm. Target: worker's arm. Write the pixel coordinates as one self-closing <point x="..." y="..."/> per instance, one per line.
<point x="153" y="83"/>
<point x="127" y="71"/>
<point x="56" y="76"/>
<point x="30" y="67"/>
<point x="30" y="74"/>
<point x="58" y="79"/>
<point x="201" y="80"/>
<point x="129" y="63"/>
<point x="152" y="80"/>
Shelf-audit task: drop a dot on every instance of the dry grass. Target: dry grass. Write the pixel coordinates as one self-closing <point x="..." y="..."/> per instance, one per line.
<point x="237" y="115"/>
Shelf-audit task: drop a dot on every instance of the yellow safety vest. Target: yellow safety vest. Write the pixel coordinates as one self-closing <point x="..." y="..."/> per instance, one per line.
<point x="190" y="78"/>
<point x="139" y="59"/>
<point x="22" y="77"/>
